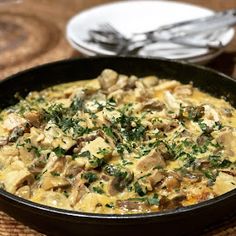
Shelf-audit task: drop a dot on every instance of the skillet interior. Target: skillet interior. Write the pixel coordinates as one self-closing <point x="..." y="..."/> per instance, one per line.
<point x="173" y="222"/>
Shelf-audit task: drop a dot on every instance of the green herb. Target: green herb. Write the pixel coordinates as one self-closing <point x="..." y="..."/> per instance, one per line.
<point x="98" y="190"/>
<point x="66" y="194"/>
<point x="139" y="190"/>
<point x="216" y="161"/>
<point x="97" y="162"/>
<point x="55" y="174"/>
<point x="60" y="152"/>
<point x="210" y="175"/>
<point x="153" y="200"/>
<point x="90" y="176"/>
<point x="77" y="104"/>
<point x="35" y="150"/>
<point x="103" y="151"/>
<point x="108" y="131"/>
<point x="85" y="154"/>
<point x="38" y="176"/>
<point x="110" y="205"/>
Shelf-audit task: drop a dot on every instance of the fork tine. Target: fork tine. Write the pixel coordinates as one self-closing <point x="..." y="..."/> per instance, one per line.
<point x="108" y="27"/>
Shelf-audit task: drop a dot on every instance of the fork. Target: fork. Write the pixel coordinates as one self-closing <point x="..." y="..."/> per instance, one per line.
<point x="184" y="33"/>
<point x="111" y="39"/>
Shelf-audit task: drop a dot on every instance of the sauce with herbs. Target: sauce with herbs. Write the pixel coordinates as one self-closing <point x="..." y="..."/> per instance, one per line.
<point x="118" y="144"/>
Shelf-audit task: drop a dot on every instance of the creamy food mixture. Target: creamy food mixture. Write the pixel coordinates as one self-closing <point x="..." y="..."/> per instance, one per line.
<point x="118" y="144"/>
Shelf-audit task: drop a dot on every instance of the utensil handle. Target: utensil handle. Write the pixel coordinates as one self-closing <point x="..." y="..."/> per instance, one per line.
<point x="201" y="25"/>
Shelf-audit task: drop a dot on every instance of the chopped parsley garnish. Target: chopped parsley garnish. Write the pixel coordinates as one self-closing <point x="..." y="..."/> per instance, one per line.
<point x="60" y="152"/>
<point x="98" y="190"/>
<point x="90" y="176"/>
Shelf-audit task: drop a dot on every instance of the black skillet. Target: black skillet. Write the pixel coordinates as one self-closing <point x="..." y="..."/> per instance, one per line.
<point x="183" y="221"/>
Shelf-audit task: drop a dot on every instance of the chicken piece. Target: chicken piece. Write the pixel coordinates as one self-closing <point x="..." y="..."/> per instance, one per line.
<point x="54" y="137"/>
<point x="13" y="120"/>
<point x="52" y="159"/>
<point x="52" y="182"/>
<point x="93" y="202"/>
<point x="72" y="169"/>
<point x="25" y="156"/>
<point x="3" y="141"/>
<point x="150" y="81"/>
<point x="171" y="102"/>
<point x="14" y="179"/>
<point x="50" y="198"/>
<point x="166" y="85"/>
<point x="121" y="83"/>
<point x="151" y="160"/>
<point x="24" y="192"/>
<point x="183" y="90"/>
<point x="227" y="138"/>
<point x="98" y="147"/>
<point x="211" y="114"/>
<point x="224" y="183"/>
<point x="107" y="79"/>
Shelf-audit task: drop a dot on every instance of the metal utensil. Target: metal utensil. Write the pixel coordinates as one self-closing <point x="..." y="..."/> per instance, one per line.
<point x="184" y="33"/>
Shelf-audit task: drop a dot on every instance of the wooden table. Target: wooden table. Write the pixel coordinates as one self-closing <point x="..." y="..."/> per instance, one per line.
<point x="42" y="30"/>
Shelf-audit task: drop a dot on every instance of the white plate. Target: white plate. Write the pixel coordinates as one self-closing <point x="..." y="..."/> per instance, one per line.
<point x="140" y="16"/>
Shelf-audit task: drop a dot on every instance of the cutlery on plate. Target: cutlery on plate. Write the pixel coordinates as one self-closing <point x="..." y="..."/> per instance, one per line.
<point x="192" y="33"/>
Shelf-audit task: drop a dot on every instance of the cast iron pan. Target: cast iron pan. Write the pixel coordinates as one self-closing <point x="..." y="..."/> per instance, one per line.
<point x="183" y="221"/>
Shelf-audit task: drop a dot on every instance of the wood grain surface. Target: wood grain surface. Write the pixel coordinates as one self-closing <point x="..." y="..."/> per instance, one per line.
<point x="43" y="24"/>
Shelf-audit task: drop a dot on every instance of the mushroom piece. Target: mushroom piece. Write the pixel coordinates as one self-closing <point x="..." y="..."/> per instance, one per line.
<point x="167" y="126"/>
<point x="155" y="178"/>
<point x="131" y="205"/>
<point x="175" y="202"/>
<point x="149" y="182"/>
<point x="122" y="178"/>
<point x="37" y="165"/>
<point x="16" y="133"/>
<point x="151" y="160"/>
<point x="78" y="191"/>
<point x="172" y="181"/>
<point x="33" y="117"/>
<point x="154" y="105"/>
